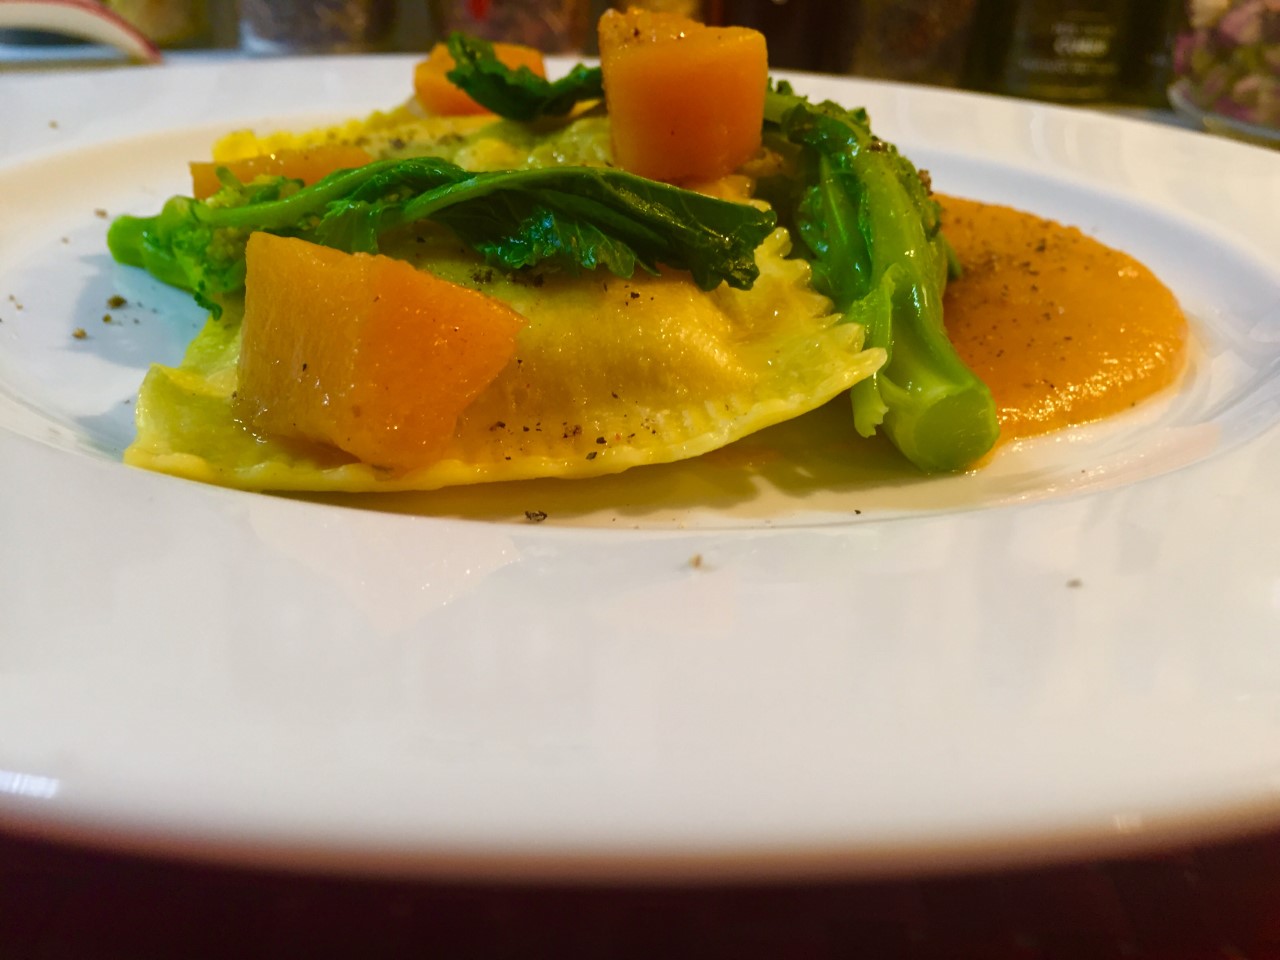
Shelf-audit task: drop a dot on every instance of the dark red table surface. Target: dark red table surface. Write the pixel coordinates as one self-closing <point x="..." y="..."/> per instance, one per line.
<point x="1213" y="901"/>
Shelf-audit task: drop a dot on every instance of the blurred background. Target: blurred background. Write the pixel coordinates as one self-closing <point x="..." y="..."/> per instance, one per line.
<point x="1215" y="57"/>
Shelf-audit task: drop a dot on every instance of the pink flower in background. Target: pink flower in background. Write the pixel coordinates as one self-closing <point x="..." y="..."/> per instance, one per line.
<point x="1229" y="63"/>
<point x="1242" y="24"/>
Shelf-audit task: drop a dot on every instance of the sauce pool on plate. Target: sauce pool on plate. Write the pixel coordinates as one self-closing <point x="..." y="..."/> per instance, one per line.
<point x="1062" y="328"/>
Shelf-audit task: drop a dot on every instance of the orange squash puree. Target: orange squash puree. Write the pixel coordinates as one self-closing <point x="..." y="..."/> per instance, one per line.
<point x="1063" y="329"/>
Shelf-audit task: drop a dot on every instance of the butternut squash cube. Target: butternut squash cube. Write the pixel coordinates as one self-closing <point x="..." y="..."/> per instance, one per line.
<point x="686" y="101"/>
<point x="308" y="164"/>
<point x="362" y="352"/>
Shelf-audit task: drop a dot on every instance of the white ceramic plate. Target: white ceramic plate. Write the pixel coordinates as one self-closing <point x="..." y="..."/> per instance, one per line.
<point x="692" y="671"/>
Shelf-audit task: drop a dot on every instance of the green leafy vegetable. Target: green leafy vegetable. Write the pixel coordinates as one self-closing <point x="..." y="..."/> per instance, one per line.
<point x="571" y="217"/>
<point x="517" y="94"/>
<point x="873" y="238"/>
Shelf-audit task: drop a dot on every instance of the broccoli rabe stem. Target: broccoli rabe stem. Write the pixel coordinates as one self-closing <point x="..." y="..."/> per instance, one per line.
<point x="872" y="235"/>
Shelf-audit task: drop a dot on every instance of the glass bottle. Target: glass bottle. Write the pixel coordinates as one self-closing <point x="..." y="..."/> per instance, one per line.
<point x="1148" y="62"/>
<point x="801" y="34"/>
<point x="1065" y="50"/>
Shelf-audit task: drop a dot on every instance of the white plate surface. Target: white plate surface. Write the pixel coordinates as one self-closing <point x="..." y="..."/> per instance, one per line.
<point x="693" y="671"/>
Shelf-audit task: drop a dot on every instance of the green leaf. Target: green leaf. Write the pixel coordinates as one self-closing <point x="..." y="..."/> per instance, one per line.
<point x="575" y="218"/>
<point x="546" y="208"/>
<point x="518" y="94"/>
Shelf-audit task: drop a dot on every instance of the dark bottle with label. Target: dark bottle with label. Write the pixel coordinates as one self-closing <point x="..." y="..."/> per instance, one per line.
<point x="1148" y="64"/>
<point x="1064" y="50"/>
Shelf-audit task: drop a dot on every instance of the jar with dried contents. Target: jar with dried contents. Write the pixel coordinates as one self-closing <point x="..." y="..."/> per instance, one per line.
<point x="314" y="26"/>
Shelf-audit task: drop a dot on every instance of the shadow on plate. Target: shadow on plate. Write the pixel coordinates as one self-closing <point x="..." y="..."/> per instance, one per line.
<point x="815" y="454"/>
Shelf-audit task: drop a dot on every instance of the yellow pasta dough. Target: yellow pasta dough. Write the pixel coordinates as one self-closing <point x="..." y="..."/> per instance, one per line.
<point x="609" y="373"/>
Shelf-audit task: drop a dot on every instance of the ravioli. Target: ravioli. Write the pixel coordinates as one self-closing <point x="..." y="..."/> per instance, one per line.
<point x="609" y="373"/>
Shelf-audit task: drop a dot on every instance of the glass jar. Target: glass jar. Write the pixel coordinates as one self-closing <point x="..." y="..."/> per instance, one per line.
<point x="915" y="41"/>
<point x="315" y="26"/>
<point x="1228" y="62"/>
